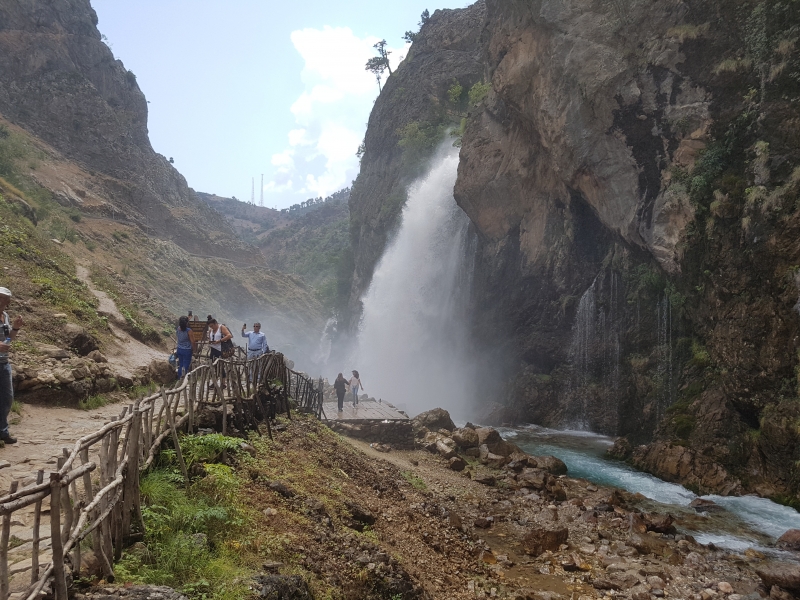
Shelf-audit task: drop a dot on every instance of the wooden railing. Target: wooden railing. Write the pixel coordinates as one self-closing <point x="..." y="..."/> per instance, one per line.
<point x="94" y="491"/>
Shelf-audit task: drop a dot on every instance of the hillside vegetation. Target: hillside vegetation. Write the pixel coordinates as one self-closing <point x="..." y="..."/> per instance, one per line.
<point x="50" y="224"/>
<point x="312" y="241"/>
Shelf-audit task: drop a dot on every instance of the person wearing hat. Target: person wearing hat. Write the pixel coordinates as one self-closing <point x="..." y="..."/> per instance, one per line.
<point x="256" y="341"/>
<point x="10" y="331"/>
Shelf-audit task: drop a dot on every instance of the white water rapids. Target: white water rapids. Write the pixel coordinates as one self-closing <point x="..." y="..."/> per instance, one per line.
<point x="412" y="344"/>
<point x="746" y="522"/>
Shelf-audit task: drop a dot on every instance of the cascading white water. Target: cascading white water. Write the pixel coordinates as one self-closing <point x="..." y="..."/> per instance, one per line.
<point x="412" y="345"/>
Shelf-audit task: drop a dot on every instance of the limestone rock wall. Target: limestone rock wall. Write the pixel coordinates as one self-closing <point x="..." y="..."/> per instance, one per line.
<point x="632" y="176"/>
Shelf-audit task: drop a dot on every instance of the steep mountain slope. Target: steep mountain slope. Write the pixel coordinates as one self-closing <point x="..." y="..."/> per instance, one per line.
<point x="632" y="175"/>
<point x="77" y="164"/>
<point x="312" y="242"/>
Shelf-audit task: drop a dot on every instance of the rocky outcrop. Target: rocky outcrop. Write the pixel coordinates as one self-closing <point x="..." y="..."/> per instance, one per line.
<point x="55" y="374"/>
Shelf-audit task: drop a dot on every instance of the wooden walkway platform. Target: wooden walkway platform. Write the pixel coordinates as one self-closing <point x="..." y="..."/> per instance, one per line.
<point x="365" y="410"/>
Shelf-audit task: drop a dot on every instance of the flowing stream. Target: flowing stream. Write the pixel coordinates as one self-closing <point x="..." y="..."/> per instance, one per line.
<point x="746" y="522"/>
<point x="412" y="345"/>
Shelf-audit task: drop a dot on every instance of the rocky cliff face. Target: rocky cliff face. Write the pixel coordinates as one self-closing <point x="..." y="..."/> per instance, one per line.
<point x="62" y="83"/>
<point x="447" y="50"/>
<point x="632" y="175"/>
<point x="77" y="168"/>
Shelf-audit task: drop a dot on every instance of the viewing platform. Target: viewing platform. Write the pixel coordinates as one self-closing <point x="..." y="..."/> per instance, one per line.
<point x="371" y="421"/>
<point x="365" y="410"/>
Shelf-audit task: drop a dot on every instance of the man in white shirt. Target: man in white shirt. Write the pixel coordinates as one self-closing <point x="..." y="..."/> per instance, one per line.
<point x="10" y="329"/>
<point x="256" y="341"/>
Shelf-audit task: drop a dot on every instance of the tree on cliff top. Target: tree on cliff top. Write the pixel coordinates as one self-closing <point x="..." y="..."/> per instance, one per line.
<point x="377" y="64"/>
<point x="410" y="36"/>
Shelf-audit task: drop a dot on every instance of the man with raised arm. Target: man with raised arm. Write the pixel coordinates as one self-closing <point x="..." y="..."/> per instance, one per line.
<point x="256" y="341"/>
<point x="10" y="329"/>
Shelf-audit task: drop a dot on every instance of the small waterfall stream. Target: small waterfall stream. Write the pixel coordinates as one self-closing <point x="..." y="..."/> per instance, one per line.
<point x="413" y="340"/>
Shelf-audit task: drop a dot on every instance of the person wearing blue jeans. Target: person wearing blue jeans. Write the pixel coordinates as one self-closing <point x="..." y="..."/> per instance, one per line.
<point x="186" y="346"/>
<point x="355" y="384"/>
<point x="9" y="332"/>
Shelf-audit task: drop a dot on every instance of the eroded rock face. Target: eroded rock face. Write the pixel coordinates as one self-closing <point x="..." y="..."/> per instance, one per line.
<point x="682" y="464"/>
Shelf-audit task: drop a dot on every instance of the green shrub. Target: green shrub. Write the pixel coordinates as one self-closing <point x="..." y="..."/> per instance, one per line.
<point x="478" y="92"/>
<point x="92" y="402"/>
<point x="454" y="93"/>
<point x="700" y="356"/>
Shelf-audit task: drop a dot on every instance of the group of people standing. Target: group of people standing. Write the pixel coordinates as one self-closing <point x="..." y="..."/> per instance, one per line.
<point x="217" y="334"/>
<point x="342" y="385"/>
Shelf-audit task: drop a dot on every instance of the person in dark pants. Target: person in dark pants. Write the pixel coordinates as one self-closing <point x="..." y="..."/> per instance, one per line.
<point x="340" y="385"/>
<point x="185" y="347"/>
<point x="9" y="332"/>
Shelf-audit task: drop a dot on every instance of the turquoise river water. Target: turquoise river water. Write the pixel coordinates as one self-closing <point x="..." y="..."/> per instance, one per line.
<point x="746" y="522"/>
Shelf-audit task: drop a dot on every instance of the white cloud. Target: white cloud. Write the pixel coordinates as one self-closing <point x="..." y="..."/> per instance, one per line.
<point x="331" y="113"/>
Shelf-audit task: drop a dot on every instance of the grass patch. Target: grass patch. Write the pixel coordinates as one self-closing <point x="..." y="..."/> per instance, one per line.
<point x="192" y="533"/>
<point x="14" y="542"/>
<point x="92" y="402"/>
<point x="16" y="407"/>
<point x="139" y="391"/>
<point x="416" y="482"/>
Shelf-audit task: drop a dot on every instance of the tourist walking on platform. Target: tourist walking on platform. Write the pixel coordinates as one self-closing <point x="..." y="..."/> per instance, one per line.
<point x="9" y="333"/>
<point x="186" y="346"/>
<point x="340" y="385"/>
<point x="256" y="341"/>
<point x="355" y="384"/>
<point x="216" y="335"/>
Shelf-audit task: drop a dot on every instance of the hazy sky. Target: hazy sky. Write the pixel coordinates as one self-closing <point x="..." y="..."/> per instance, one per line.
<point x="246" y="87"/>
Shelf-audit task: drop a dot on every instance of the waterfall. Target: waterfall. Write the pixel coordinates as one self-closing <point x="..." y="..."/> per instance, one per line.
<point x="413" y="339"/>
<point x="322" y="354"/>
<point x="664" y="371"/>
<point x="594" y="356"/>
<point x="580" y="351"/>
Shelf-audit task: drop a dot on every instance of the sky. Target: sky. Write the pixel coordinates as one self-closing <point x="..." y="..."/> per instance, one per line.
<point x="242" y="88"/>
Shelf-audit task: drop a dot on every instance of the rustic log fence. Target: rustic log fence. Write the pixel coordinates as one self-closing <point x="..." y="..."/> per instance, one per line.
<point x="93" y="495"/>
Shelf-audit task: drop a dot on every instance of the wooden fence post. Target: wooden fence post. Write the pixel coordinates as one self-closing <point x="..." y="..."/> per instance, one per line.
<point x="60" y="581"/>
<point x="175" y="440"/>
<point x="4" y="549"/>
<point x="37" y="518"/>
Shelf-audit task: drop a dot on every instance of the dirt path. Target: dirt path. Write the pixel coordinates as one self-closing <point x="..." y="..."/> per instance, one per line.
<point x="124" y="352"/>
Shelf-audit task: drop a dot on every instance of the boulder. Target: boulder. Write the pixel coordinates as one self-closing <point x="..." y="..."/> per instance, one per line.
<point x="281" y="587"/>
<point x="446" y="447"/>
<point x="551" y="464"/>
<point x="785" y="575"/>
<point x="487" y="435"/>
<point x="790" y="540"/>
<point x="161" y="372"/>
<point x="466" y="438"/>
<point x="98" y="356"/>
<point x="621" y="450"/>
<point x="533" y="478"/>
<point x="457" y="464"/>
<point x="79" y="339"/>
<point x="701" y="505"/>
<point x="429" y="441"/>
<point x="472" y="452"/>
<point x="541" y="539"/>
<point x="648" y="544"/>
<point x="435" y="419"/>
<point x="484" y="479"/>
<point x="659" y="523"/>
<point x="51" y="351"/>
